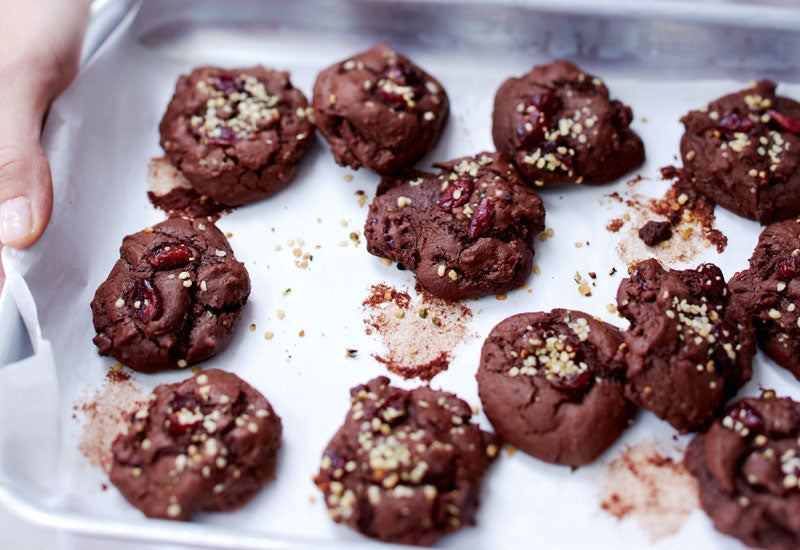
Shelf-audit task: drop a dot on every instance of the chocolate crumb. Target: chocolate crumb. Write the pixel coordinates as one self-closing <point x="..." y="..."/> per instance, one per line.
<point x="654" y="232"/>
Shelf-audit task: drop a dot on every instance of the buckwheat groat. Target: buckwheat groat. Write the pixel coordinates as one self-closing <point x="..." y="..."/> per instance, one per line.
<point x="378" y="109"/>
<point x="748" y="465"/>
<point x="207" y="443"/>
<point x="172" y="299"/>
<point x="743" y="152"/>
<point x="237" y="134"/>
<point x="465" y="233"/>
<point x="552" y="385"/>
<point x="558" y="125"/>
<point x="406" y="466"/>
<point x="769" y="293"/>
<point x="687" y="350"/>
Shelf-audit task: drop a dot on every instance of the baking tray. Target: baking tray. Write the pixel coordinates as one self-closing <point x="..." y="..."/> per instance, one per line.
<point x="661" y="57"/>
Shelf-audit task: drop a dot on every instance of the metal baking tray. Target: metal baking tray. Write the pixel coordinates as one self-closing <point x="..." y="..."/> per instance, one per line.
<point x="661" y="57"/>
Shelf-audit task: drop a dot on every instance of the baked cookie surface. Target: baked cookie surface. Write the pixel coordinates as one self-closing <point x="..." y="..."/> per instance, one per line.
<point x="379" y="110"/>
<point x="558" y="124"/>
<point x="465" y="233"/>
<point x="207" y="443"/>
<point x="687" y="350"/>
<point x="173" y="298"/>
<point x="552" y="385"/>
<point x="743" y="152"/>
<point x="237" y="134"/>
<point x="406" y="466"/>
<point x="748" y="465"/>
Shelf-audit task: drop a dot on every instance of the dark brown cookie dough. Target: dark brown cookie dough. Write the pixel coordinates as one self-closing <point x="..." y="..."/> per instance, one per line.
<point x="558" y="125"/>
<point x="237" y="135"/>
<point x="769" y="293"/>
<point x="687" y="351"/>
<point x="172" y="299"/>
<point x="406" y="466"/>
<point x="378" y="109"/>
<point x="465" y="233"/>
<point x="743" y="152"/>
<point x="207" y="443"/>
<point x="552" y="385"/>
<point x="748" y="465"/>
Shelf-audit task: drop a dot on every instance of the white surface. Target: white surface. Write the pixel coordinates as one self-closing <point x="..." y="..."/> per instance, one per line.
<point x="100" y="136"/>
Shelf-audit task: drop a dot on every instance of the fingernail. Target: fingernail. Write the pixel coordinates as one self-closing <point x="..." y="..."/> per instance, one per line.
<point x="16" y="219"/>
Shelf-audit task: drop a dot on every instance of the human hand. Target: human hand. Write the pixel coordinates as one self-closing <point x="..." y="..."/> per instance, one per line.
<point x="40" y="43"/>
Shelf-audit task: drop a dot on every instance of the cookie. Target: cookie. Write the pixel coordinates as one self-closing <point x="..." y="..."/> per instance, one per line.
<point x="173" y="299"/>
<point x="558" y="125"/>
<point x="747" y="466"/>
<point x="743" y="152"/>
<point x="465" y="233"/>
<point x="552" y="385"/>
<point x="237" y="134"/>
<point x="769" y="293"/>
<point x="378" y="109"/>
<point x="207" y="443"/>
<point x="406" y="466"/>
<point x="687" y="351"/>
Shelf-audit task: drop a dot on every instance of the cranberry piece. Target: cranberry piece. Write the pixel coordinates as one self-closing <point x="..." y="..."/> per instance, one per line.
<point x="537" y="113"/>
<point x="149" y="300"/>
<point x="394" y="400"/>
<point x="226" y="137"/>
<point x="337" y="460"/>
<point x="170" y="256"/>
<point x="481" y="218"/>
<point x="456" y="194"/>
<point x="403" y="76"/>
<point x="228" y="83"/>
<point x="786" y="122"/>
<point x="788" y="267"/>
<point x="734" y="123"/>
<point x="565" y="159"/>
<point x="178" y="404"/>
<point x="706" y="280"/>
<point x="572" y="383"/>
<point x="747" y="415"/>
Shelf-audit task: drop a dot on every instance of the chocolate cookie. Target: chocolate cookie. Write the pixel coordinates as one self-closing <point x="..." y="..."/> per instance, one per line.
<point x="687" y="351"/>
<point x="743" y="152"/>
<point x="207" y="443"/>
<point x="465" y="233"/>
<point x="769" y="293"/>
<point x="378" y="109"/>
<point x="558" y="125"/>
<point x="552" y="385"/>
<point x="406" y="466"/>
<point x="237" y="135"/>
<point x="172" y="299"/>
<point x="748" y="465"/>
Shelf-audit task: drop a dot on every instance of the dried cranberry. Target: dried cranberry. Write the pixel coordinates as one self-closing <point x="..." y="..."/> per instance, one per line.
<point x="537" y="113"/>
<point x="572" y="383"/>
<point x="228" y="83"/>
<point x="747" y="415"/>
<point x="337" y="460"/>
<point x="226" y="137"/>
<point x="179" y="403"/>
<point x="395" y="401"/>
<point x="170" y="256"/>
<point x="403" y="76"/>
<point x="148" y="299"/>
<point x="734" y="123"/>
<point x="705" y="281"/>
<point x="563" y="158"/>
<point x="481" y="218"/>
<point x="786" y="122"/>
<point x="456" y="194"/>
<point x="788" y="267"/>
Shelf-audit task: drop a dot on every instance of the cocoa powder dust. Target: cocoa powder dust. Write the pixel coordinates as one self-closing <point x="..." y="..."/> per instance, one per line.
<point x="418" y="333"/>
<point x="659" y="492"/>
<point x="105" y="414"/>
